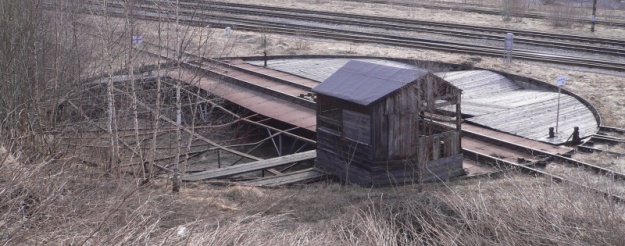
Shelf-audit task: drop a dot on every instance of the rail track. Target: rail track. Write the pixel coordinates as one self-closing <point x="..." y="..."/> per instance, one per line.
<point x="608" y="129"/>
<point x="436" y="28"/>
<point x="515" y="156"/>
<point x="390" y="22"/>
<point x="192" y="17"/>
<point x="607" y="140"/>
<point x="495" y="11"/>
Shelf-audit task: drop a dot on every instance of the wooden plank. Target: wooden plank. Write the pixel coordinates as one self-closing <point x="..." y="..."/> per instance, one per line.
<point x="306" y="175"/>
<point x="355" y="174"/>
<point x="502" y="104"/>
<point x="252" y="166"/>
<point x="436" y="144"/>
<point x="456" y="144"/>
<point x="477" y="83"/>
<point x="421" y="151"/>
<point x="532" y="121"/>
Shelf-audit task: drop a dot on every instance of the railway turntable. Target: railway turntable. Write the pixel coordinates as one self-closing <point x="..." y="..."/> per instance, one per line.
<point x="380" y="121"/>
<point x="503" y="102"/>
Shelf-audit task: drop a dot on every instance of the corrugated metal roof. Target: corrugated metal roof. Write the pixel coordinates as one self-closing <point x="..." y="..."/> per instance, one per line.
<point x="364" y="83"/>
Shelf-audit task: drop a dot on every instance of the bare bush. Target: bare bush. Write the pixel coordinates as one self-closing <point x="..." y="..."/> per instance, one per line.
<point x="565" y="16"/>
<point x="38" y="70"/>
<point x="513" y="8"/>
<point x="494" y="213"/>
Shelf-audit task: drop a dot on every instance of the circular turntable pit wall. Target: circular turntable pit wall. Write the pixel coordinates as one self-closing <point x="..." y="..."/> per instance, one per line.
<point x="489" y="99"/>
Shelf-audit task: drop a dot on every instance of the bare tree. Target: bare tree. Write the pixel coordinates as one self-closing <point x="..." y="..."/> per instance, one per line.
<point x="37" y="71"/>
<point x="132" y="39"/>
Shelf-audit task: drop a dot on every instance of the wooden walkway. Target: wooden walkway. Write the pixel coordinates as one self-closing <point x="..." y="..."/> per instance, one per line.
<point x="252" y="166"/>
<point x="533" y="120"/>
<point x="301" y="176"/>
<point x="493" y="101"/>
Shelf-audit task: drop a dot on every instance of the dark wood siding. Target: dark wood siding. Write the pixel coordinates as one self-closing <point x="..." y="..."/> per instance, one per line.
<point x="343" y="139"/>
<point x="357" y="127"/>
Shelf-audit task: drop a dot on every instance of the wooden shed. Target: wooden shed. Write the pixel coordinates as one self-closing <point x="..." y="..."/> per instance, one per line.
<point x="375" y="125"/>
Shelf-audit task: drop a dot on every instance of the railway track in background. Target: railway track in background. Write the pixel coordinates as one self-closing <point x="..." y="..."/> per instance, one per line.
<point x="197" y="19"/>
<point x="456" y="30"/>
<point x="471" y="8"/>
<point x="477" y="147"/>
<point x="388" y="21"/>
<point x="484" y="35"/>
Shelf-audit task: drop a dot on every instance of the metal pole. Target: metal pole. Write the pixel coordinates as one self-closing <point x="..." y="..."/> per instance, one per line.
<point x="594" y="11"/>
<point x="558" y="111"/>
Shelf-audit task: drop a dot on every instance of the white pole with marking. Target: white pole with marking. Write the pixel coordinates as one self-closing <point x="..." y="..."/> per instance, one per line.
<point x="509" y="43"/>
<point x="560" y="82"/>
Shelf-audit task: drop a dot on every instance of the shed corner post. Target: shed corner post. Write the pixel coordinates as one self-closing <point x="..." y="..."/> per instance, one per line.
<point x="458" y="112"/>
<point x="459" y="119"/>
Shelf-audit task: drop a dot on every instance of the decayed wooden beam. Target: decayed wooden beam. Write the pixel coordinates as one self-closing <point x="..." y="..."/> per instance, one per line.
<point x="309" y="174"/>
<point x="252" y="166"/>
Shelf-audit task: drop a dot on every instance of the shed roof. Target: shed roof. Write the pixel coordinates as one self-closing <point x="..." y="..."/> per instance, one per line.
<point x="364" y="83"/>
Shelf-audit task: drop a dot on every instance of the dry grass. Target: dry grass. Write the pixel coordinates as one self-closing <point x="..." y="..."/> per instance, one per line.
<point x="42" y="204"/>
<point x="492" y="214"/>
<point x="605" y="160"/>
<point x="589" y="178"/>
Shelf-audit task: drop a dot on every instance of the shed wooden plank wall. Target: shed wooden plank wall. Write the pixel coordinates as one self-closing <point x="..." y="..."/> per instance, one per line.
<point x="335" y="153"/>
<point x="354" y="162"/>
<point x="388" y="141"/>
<point x="396" y="124"/>
<point x="396" y="120"/>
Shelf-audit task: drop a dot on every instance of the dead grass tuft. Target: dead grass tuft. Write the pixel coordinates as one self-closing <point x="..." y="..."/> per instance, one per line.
<point x="491" y="214"/>
<point x="243" y="194"/>
<point x="59" y="203"/>
<point x="606" y="160"/>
